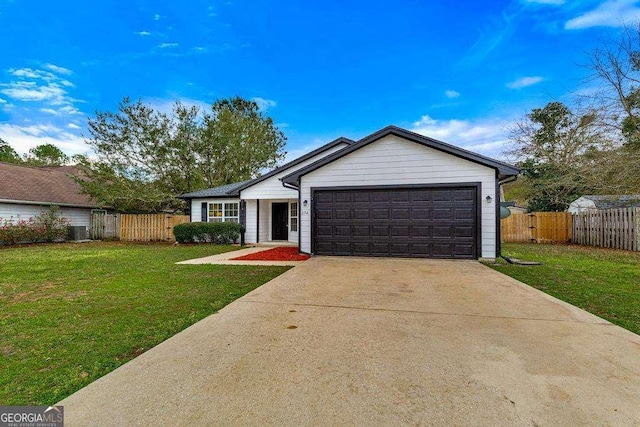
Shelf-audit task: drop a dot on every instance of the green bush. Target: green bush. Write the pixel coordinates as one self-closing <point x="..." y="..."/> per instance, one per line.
<point x="221" y="233"/>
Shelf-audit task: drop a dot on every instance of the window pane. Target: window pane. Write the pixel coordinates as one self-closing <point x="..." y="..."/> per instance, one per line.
<point x="294" y="209"/>
<point x="215" y="212"/>
<point x="231" y="209"/>
<point x="294" y="224"/>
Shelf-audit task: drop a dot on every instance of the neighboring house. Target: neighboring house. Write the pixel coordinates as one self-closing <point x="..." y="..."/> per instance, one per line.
<point x="586" y="203"/>
<point x="392" y="193"/>
<point x="26" y="191"/>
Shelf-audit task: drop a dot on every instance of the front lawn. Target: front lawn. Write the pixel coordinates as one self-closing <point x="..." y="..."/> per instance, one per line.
<point x="604" y="282"/>
<point x="70" y="313"/>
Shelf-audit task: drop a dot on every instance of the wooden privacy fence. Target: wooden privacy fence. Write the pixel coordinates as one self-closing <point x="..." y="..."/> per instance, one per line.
<point x="136" y="228"/>
<point x="612" y="228"/>
<point x="104" y="226"/>
<point x="537" y="227"/>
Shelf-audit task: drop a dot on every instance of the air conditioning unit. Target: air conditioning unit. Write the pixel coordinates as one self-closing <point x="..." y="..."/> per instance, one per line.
<point x="77" y="232"/>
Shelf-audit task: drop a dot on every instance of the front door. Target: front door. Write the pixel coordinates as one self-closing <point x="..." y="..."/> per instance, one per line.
<point x="279" y="216"/>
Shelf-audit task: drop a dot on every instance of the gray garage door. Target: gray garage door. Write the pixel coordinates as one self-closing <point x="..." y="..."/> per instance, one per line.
<point x="432" y="222"/>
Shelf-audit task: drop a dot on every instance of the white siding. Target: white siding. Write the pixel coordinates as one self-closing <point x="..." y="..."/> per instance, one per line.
<point x="395" y="161"/>
<point x="76" y="216"/>
<point x="196" y="213"/>
<point x="272" y="188"/>
<point x="265" y="220"/>
<point x="250" y="227"/>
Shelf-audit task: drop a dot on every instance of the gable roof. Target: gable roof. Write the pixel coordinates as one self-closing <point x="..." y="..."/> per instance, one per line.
<point x="42" y="184"/>
<point x="615" y="201"/>
<point x="504" y="170"/>
<point x="297" y="161"/>
<point x="228" y="190"/>
<point x="233" y="190"/>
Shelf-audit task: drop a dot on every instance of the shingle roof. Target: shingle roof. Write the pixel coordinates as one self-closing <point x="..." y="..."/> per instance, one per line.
<point x="615" y="201"/>
<point x="50" y="184"/>
<point x="229" y="190"/>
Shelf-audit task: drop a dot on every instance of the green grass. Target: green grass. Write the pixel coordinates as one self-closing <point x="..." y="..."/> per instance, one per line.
<point x="70" y="313"/>
<point x="604" y="282"/>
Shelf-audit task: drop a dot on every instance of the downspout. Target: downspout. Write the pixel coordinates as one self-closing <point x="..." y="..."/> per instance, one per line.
<point x="293" y="187"/>
<point x="499" y="251"/>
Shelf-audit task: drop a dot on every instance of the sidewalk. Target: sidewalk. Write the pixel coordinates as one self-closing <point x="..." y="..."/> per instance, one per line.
<point x="226" y="258"/>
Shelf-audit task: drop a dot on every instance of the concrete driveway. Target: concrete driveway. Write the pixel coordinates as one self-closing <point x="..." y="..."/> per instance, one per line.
<point x="349" y="341"/>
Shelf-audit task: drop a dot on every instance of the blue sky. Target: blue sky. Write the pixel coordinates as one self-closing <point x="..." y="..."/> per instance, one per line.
<point x="461" y="72"/>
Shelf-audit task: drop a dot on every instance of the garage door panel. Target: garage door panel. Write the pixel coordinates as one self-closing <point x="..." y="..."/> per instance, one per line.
<point x="441" y="214"/>
<point x="342" y="213"/>
<point x="464" y="195"/>
<point x="420" y="231"/>
<point x="420" y="213"/>
<point x="324" y="214"/>
<point x="341" y="197"/>
<point x="361" y="248"/>
<point x="399" y="249"/>
<point x="399" y="231"/>
<point x="402" y="213"/>
<point x="361" y="213"/>
<point x="463" y="232"/>
<point x="342" y="230"/>
<point x="380" y="248"/>
<point x="380" y="230"/>
<point x="361" y="231"/>
<point x="361" y="197"/>
<point x="464" y="214"/>
<point x="377" y="213"/>
<point x="380" y="197"/>
<point x="408" y="222"/>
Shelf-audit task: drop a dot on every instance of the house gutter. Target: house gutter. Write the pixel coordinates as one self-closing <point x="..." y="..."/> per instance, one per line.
<point x="30" y="202"/>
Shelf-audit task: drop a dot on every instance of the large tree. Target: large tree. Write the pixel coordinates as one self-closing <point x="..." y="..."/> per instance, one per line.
<point x="144" y="158"/>
<point x="557" y="150"/>
<point x="46" y="155"/>
<point x="7" y="153"/>
<point x="615" y="64"/>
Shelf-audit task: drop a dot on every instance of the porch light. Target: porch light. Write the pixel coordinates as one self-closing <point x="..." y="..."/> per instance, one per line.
<point x="489" y="199"/>
<point x="305" y="203"/>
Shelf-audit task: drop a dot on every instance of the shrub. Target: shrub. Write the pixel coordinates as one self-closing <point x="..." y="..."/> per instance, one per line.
<point x="45" y="227"/>
<point x="51" y="226"/>
<point x="221" y="233"/>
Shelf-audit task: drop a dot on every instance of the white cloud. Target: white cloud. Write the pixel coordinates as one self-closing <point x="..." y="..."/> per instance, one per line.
<point x="142" y="33"/>
<point x="31" y="91"/>
<point x="451" y="94"/>
<point x="73" y="126"/>
<point x="26" y="73"/>
<point x="156" y="17"/>
<point x="524" y="82"/>
<point x="264" y="104"/>
<point x="612" y="13"/>
<point x="23" y="138"/>
<point x="486" y="136"/>
<point x="57" y="69"/>
<point x="167" y="45"/>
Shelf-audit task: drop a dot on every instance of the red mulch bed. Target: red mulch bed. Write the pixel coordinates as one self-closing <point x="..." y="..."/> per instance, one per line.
<point x="285" y="253"/>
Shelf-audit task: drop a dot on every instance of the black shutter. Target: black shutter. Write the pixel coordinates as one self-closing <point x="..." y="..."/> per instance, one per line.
<point x="205" y="212"/>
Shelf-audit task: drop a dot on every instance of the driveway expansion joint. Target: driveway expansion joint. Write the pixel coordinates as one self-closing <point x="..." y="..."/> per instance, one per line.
<point x="432" y="313"/>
